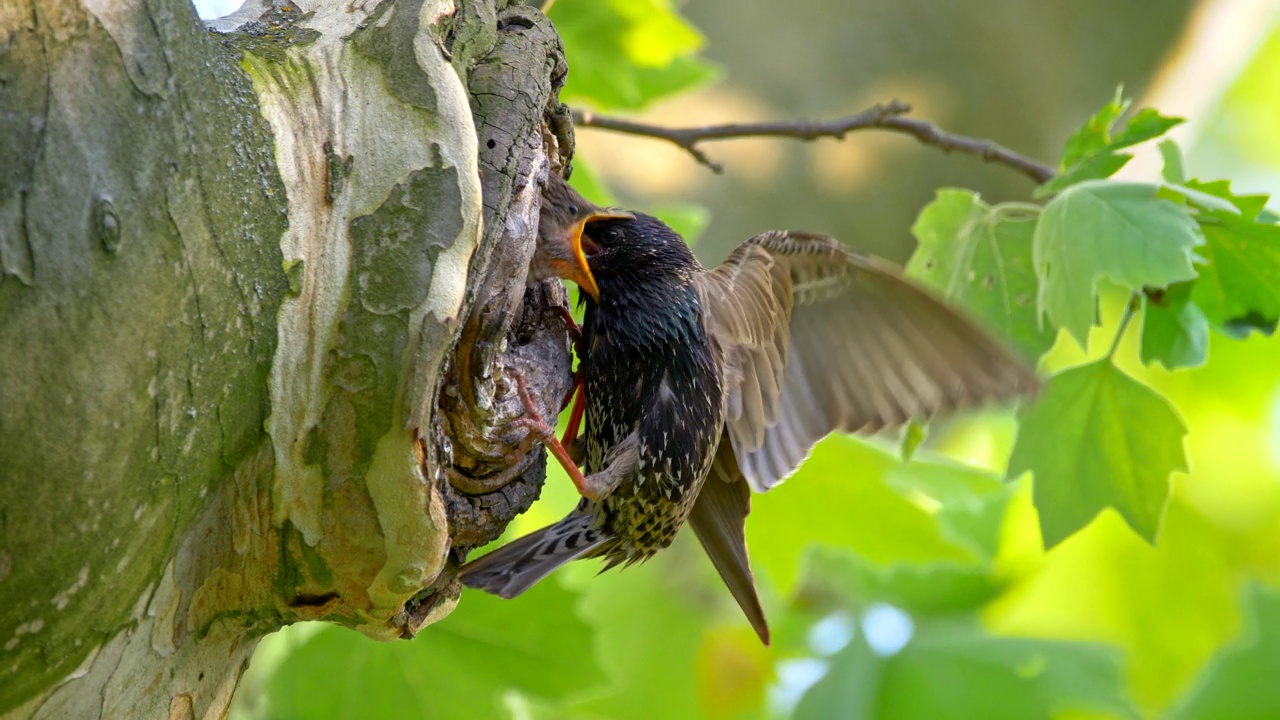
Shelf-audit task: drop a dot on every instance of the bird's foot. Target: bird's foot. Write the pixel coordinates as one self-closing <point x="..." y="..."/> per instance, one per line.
<point x="573" y="389"/>
<point x="579" y="397"/>
<point x="570" y="326"/>
<point x="579" y="389"/>
<point x="539" y="430"/>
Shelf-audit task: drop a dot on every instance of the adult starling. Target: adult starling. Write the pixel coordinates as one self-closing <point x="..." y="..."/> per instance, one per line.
<point x="702" y="384"/>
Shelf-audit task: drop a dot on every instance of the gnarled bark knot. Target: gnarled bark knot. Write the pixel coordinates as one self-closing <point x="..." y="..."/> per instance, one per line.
<point x="524" y="133"/>
<point x="245" y="264"/>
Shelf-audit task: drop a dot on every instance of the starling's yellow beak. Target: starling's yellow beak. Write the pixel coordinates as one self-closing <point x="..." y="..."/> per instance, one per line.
<point x="582" y="274"/>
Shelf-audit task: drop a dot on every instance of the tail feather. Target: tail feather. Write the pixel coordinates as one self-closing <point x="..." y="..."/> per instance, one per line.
<point x="518" y="565"/>
<point x="718" y="518"/>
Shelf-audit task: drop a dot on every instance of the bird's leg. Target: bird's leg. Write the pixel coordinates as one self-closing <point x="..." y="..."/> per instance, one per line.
<point x="577" y="394"/>
<point x="571" y="327"/>
<point x="573" y="391"/>
<point x="575" y="415"/>
<point x="540" y="430"/>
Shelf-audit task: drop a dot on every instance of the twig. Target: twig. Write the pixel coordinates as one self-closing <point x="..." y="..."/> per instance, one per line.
<point x="887" y="116"/>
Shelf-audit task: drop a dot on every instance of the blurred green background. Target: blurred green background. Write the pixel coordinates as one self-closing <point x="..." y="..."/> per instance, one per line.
<point x="896" y="589"/>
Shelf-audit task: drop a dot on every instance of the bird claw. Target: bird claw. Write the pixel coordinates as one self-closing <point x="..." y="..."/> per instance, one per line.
<point x="578" y="382"/>
<point x="537" y="429"/>
<point x="570" y="326"/>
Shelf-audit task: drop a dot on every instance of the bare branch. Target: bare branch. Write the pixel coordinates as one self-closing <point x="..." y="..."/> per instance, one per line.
<point x="887" y="116"/>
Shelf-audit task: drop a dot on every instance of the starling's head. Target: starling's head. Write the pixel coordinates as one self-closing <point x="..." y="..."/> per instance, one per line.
<point x="631" y="253"/>
<point x="559" y="252"/>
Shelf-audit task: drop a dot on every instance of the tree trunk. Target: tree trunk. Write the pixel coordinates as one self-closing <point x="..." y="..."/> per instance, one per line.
<point x="261" y="284"/>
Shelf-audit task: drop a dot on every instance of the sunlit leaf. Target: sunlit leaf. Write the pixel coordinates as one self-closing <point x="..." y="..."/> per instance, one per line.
<point x="923" y="588"/>
<point x="1093" y="137"/>
<point x="913" y="433"/>
<point x="1118" y="230"/>
<point x="1217" y="195"/>
<point x="1146" y="124"/>
<point x="980" y="257"/>
<point x="1091" y="151"/>
<point x="840" y="497"/>
<point x="1240" y="682"/>
<point x="627" y="53"/>
<point x="1098" y="438"/>
<point x="733" y="671"/>
<point x="1168" y="607"/>
<point x="649" y="629"/>
<point x="1095" y="167"/>
<point x="459" y="667"/>
<point x="1191" y="193"/>
<point x="1174" y="169"/>
<point x="1239" y="286"/>
<point x="971" y="503"/>
<point x="954" y="669"/>
<point x="1175" y="332"/>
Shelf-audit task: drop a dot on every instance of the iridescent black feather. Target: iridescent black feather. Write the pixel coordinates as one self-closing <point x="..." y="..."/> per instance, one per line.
<point x="734" y="374"/>
<point x="650" y="370"/>
<point x="653" y="387"/>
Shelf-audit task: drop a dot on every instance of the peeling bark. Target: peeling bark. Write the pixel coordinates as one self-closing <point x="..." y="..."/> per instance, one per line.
<point x="256" y="340"/>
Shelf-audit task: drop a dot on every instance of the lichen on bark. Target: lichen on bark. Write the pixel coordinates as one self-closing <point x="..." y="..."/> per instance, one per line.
<point x="138" y="342"/>
<point x="235" y="269"/>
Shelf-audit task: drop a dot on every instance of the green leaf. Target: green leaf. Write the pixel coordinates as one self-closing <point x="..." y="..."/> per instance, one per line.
<point x="1188" y="195"/>
<point x="928" y="588"/>
<point x="876" y="521"/>
<point x="1146" y="125"/>
<point x="627" y="53"/>
<point x="951" y="666"/>
<point x="970" y="503"/>
<point x="1121" y="230"/>
<point x="649" y="628"/>
<point x="1098" y="438"/>
<point x="850" y="689"/>
<point x="459" y="667"/>
<point x="1175" y="332"/>
<point x="1217" y="195"/>
<point x="1090" y="152"/>
<point x="913" y="433"/>
<point x="1093" y="137"/>
<point x="1240" y="682"/>
<point x="1174" y="170"/>
<point x="980" y="257"/>
<point x="1094" y="167"/>
<point x="1239" y="287"/>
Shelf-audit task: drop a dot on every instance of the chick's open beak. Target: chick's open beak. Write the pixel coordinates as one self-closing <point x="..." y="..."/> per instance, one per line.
<point x="581" y="274"/>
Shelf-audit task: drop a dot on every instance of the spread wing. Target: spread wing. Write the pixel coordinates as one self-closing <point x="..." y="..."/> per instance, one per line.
<point x="817" y="338"/>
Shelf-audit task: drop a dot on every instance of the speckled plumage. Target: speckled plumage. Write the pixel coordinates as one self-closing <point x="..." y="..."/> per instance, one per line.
<point x="649" y="370"/>
<point x="654" y="414"/>
<point x="734" y="374"/>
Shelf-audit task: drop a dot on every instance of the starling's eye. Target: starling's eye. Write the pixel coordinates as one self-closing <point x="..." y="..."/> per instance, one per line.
<point x="573" y="210"/>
